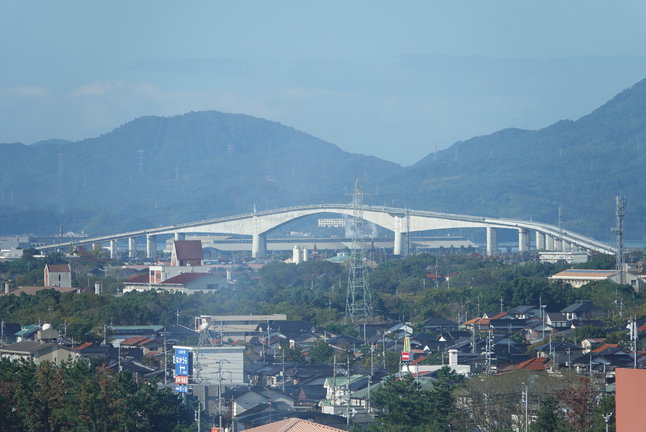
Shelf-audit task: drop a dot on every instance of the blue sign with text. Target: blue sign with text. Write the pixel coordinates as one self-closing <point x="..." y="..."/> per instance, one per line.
<point x="181" y="389"/>
<point x="182" y="361"/>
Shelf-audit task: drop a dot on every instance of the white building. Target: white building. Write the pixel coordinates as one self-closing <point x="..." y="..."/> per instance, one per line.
<point x="215" y="364"/>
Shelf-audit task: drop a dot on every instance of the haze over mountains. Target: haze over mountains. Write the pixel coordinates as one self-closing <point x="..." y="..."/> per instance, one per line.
<point x="155" y="171"/>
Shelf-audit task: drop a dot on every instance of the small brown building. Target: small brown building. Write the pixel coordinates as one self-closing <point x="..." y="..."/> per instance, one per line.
<point x="58" y="275"/>
<point x="187" y="253"/>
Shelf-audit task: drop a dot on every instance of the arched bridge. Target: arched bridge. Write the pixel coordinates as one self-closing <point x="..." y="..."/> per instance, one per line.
<point x="400" y="221"/>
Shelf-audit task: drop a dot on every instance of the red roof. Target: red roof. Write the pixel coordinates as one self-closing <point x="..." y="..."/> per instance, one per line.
<point x="537" y="364"/>
<point x="185" y="278"/>
<point x="136" y="340"/>
<point x="140" y="278"/>
<point x="418" y="360"/>
<point x="58" y="268"/>
<point x="294" y="425"/>
<point x="605" y="347"/>
<point x="84" y="345"/>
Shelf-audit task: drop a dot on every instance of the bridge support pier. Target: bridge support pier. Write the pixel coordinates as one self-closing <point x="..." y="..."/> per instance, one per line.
<point x="540" y="240"/>
<point x="114" y="249"/>
<point x="151" y="246"/>
<point x="397" y="243"/>
<point x="523" y="240"/>
<point x="549" y="242"/>
<point x="132" y="247"/>
<point x="259" y="245"/>
<point x="558" y="245"/>
<point x="567" y="246"/>
<point x="179" y="236"/>
<point x="492" y="241"/>
<point x="400" y="229"/>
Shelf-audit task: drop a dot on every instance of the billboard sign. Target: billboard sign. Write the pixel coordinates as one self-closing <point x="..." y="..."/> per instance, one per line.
<point x="181" y="389"/>
<point x="182" y="361"/>
<point x="181" y="379"/>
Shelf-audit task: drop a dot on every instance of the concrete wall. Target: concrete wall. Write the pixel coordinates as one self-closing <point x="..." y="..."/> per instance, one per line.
<point x="631" y="415"/>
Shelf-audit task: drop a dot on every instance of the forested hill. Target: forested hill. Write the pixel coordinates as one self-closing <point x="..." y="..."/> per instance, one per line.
<point x="155" y="171"/>
<point x="578" y="165"/>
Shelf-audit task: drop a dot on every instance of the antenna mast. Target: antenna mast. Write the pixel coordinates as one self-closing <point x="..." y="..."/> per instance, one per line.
<point x="619" y="230"/>
<point x="205" y="340"/>
<point x="358" y="301"/>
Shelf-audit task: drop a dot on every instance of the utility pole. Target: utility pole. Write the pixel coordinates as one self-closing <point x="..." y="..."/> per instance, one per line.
<point x="633" y="337"/>
<point x="197" y="415"/>
<point x="526" y="401"/>
<point x="349" y="395"/>
<point x="283" y="372"/>
<point x="620" y="213"/>
<point x="165" y="359"/>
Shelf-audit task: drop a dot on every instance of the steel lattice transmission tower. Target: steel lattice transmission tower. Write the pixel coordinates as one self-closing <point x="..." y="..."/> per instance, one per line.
<point x="358" y="301"/>
<point x="619" y="231"/>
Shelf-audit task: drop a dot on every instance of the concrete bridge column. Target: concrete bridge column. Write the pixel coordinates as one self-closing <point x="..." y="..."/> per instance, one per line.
<point x="132" y="247"/>
<point x="399" y="236"/>
<point x="179" y="236"/>
<point x="397" y="243"/>
<point x="492" y="241"/>
<point x="151" y="246"/>
<point x="96" y="246"/>
<point x="259" y="245"/>
<point x="114" y="249"/>
<point x="540" y="240"/>
<point x="523" y="240"/>
<point x="558" y="244"/>
<point x="549" y="243"/>
<point x="567" y="246"/>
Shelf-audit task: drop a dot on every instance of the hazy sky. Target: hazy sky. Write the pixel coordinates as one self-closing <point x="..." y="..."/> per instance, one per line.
<point x="397" y="80"/>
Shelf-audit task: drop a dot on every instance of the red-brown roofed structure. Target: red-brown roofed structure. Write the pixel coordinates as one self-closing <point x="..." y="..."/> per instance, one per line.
<point x="535" y="364"/>
<point x="604" y="347"/>
<point x="57" y="275"/>
<point x="294" y="425"/>
<point x="187" y="253"/>
<point x="140" y="278"/>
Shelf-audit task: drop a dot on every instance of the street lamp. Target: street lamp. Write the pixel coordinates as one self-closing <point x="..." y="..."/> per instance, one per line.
<point x="606" y="418"/>
<point x="543" y="315"/>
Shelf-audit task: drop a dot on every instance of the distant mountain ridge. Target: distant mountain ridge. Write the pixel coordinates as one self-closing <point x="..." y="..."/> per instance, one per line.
<point x="163" y="170"/>
<point x="154" y="171"/>
<point x="579" y="165"/>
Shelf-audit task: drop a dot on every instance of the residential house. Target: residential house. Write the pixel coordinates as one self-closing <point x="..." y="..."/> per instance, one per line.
<point x="607" y="357"/>
<point x="560" y="352"/>
<point x="524" y="312"/>
<point x="148" y="346"/>
<point x="294" y="425"/>
<point x="58" y="275"/>
<point x="188" y="283"/>
<point x="557" y="320"/>
<point x="37" y="352"/>
<point x="582" y="310"/>
<point x="339" y="400"/>
<point x="186" y="253"/>
<point x="439" y="325"/>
